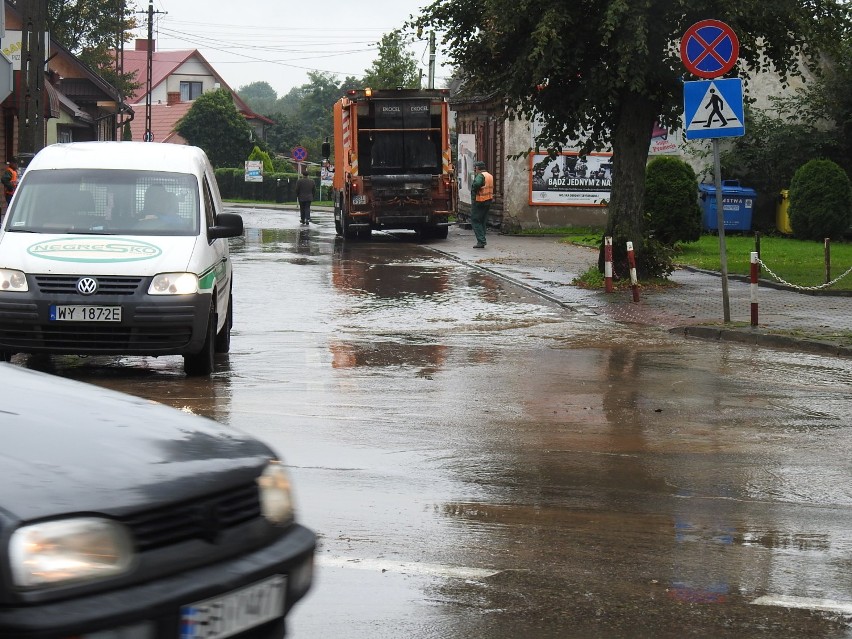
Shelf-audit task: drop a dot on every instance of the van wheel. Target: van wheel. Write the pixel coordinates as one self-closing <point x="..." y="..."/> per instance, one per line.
<point x="201" y="363"/>
<point x="223" y="337"/>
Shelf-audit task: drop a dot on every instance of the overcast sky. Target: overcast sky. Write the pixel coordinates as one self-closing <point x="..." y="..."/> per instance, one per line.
<point x="280" y="41"/>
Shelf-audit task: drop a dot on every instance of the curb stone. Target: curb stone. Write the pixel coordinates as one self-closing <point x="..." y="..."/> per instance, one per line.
<point x="761" y="338"/>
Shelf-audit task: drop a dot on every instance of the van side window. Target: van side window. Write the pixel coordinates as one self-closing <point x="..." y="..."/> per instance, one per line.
<point x="209" y="207"/>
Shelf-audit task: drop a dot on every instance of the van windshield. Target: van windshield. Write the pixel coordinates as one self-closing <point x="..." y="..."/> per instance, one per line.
<point x="105" y="202"/>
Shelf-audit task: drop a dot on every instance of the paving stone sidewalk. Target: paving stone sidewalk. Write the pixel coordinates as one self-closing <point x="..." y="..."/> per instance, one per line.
<point x="694" y="307"/>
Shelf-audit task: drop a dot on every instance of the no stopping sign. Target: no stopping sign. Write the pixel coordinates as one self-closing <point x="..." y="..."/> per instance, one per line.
<point x="709" y="49"/>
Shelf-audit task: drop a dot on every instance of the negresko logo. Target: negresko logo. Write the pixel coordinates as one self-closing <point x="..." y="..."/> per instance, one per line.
<point x="94" y="249"/>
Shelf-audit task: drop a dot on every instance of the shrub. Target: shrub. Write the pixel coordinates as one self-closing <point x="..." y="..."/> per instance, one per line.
<point x="258" y="154"/>
<point x="820" y="201"/>
<point x="775" y="144"/>
<point x="671" y="201"/>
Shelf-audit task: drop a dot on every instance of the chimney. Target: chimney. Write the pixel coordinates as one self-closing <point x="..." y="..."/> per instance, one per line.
<point x="142" y="44"/>
<point x="172" y="97"/>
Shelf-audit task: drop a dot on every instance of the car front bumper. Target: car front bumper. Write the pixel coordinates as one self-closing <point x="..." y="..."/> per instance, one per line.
<point x="153" y="608"/>
<point x="150" y="324"/>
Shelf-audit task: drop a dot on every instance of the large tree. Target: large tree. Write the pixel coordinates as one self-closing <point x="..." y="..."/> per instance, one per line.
<point x="214" y="124"/>
<point x="91" y="29"/>
<point x="603" y="71"/>
<point x="395" y="66"/>
<point x="313" y="113"/>
<point x="260" y="96"/>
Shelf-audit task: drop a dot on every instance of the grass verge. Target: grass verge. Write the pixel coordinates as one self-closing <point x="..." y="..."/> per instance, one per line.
<point x="798" y="262"/>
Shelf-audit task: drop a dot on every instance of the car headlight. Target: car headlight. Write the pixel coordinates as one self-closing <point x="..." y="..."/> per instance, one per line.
<point x="174" y="284"/>
<point x="12" y="280"/>
<point x="81" y="549"/>
<point x="276" y="499"/>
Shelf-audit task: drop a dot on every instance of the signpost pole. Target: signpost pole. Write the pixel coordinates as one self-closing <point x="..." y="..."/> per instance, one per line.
<point x="709" y="49"/>
<point x="720" y="224"/>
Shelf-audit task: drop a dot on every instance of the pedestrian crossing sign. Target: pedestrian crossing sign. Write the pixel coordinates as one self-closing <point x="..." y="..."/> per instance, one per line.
<point x="713" y="109"/>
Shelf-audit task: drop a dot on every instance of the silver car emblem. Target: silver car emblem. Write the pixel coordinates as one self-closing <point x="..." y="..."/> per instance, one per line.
<point x="87" y="286"/>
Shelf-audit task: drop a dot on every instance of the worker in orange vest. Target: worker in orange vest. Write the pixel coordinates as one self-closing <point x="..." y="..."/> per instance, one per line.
<point x="10" y="179"/>
<point x="482" y="194"/>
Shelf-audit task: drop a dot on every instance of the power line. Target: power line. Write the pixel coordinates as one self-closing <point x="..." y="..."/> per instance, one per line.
<point x="300" y="44"/>
<point x="251" y="58"/>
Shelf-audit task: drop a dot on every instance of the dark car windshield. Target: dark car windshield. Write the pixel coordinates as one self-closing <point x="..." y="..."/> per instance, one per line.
<point x="105" y="201"/>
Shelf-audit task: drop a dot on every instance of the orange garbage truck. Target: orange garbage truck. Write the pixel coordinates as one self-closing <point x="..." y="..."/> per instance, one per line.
<point x="393" y="167"/>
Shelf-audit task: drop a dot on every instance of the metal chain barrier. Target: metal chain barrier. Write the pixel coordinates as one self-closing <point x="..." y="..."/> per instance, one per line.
<point x="804" y="288"/>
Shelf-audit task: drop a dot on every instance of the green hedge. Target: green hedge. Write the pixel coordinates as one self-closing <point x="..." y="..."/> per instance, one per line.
<point x="820" y="201"/>
<point x="233" y="186"/>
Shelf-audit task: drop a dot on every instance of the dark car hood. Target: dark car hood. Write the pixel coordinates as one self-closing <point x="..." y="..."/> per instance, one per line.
<point x="70" y="447"/>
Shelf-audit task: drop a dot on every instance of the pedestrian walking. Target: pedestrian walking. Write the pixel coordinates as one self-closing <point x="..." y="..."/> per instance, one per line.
<point x="305" y="195"/>
<point x="10" y="180"/>
<point x="482" y="194"/>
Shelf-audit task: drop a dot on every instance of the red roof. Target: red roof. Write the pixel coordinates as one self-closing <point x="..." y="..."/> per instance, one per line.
<point x="163" y="120"/>
<point x="165" y="116"/>
<point x="163" y="64"/>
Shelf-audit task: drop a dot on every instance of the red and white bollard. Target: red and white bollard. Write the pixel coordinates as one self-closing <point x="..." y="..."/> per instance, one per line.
<point x="753" y="287"/>
<point x="608" y="264"/>
<point x="634" y="281"/>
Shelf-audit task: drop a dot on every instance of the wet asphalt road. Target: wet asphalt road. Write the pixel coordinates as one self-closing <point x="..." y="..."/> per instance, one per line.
<point x="481" y="463"/>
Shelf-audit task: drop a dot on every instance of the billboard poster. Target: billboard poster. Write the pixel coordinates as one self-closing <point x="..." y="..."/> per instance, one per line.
<point x="466" y="158"/>
<point x="254" y="171"/>
<point x="570" y="179"/>
<point x="11" y="45"/>
<point x="664" y="141"/>
<point x="326" y="173"/>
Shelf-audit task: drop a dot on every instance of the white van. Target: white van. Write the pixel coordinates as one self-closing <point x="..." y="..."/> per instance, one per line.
<point x="117" y="248"/>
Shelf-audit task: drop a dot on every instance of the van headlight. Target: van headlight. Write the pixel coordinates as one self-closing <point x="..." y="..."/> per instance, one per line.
<point x="276" y="499"/>
<point x="12" y="280"/>
<point x="174" y="284"/>
<point x="70" y="550"/>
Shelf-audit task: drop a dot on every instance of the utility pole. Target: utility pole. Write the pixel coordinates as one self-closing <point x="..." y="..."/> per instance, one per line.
<point x="30" y="105"/>
<point x="432" y="60"/>
<point x="149" y="134"/>
<point x="119" y="63"/>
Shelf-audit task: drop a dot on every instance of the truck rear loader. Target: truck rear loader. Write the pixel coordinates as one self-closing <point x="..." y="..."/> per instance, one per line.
<point x="392" y="159"/>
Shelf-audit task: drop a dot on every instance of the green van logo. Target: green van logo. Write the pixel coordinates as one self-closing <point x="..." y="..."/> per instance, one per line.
<point x="94" y="249"/>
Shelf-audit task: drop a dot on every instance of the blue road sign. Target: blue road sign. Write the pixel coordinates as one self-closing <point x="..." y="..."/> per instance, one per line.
<point x="299" y="153"/>
<point x="713" y="109"/>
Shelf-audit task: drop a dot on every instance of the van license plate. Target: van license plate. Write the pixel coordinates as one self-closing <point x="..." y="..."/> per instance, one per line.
<point x="235" y="611"/>
<point x="67" y="313"/>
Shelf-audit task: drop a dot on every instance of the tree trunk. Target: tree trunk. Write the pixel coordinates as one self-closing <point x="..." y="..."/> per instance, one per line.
<point x="630" y="141"/>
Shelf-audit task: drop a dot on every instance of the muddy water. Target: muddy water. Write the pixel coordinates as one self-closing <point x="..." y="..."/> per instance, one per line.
<point x="478" y="462"/>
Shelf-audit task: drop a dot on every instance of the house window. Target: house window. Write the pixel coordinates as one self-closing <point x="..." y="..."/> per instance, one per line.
<point x="189" y="91"/>
<point x="63" y="135"/>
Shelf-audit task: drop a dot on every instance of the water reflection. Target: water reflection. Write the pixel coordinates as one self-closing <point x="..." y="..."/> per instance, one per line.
<point x="356" y="270"/>
<point x="388" y="354"/>
<point x="159" y="379"/>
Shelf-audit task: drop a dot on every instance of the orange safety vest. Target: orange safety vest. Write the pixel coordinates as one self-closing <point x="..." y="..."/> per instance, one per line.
<point x="486" y="192"/>
<point x="13" y="182"/>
